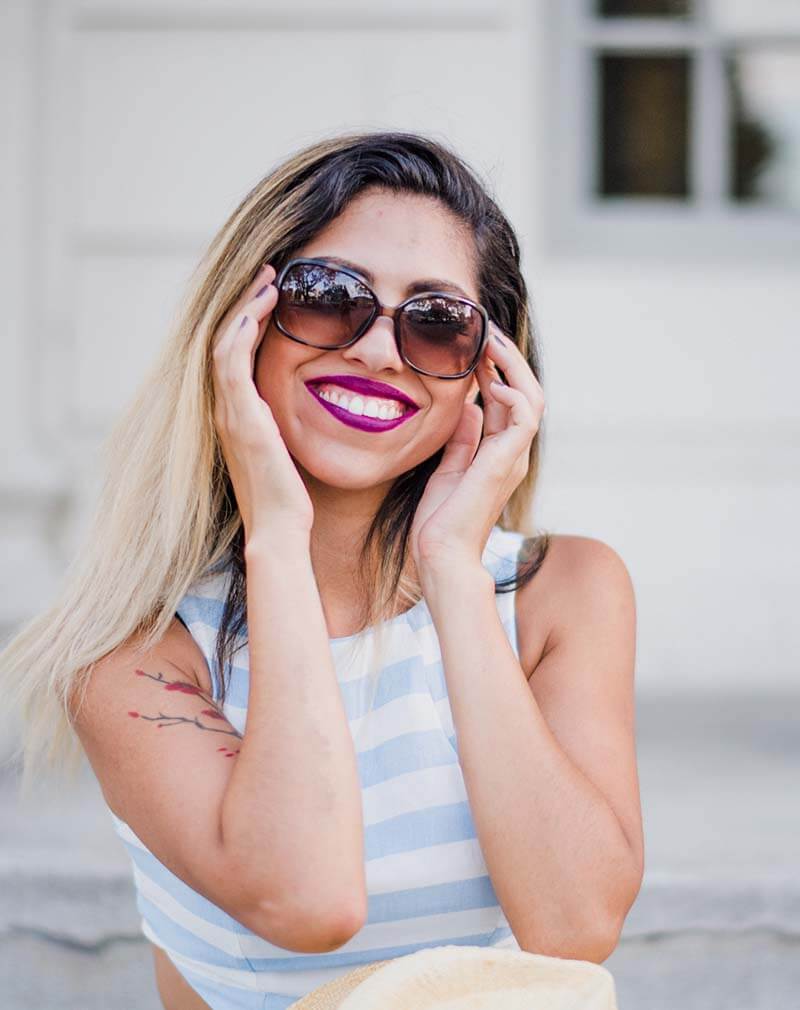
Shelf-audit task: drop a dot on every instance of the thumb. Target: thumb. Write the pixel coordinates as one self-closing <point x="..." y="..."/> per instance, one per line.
<point x="460" y="449"/>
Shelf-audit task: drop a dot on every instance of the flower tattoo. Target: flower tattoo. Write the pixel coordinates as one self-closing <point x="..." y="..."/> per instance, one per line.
<point x="184" y="687"/>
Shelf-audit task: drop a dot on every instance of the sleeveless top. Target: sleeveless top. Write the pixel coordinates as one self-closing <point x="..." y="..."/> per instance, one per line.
<point x="427" y="882"/>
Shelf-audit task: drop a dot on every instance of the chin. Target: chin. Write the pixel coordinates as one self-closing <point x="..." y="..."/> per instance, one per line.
<point x="349" y="471"/>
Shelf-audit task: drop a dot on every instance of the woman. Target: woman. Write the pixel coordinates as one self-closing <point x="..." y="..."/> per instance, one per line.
<point x="343" y="460"/>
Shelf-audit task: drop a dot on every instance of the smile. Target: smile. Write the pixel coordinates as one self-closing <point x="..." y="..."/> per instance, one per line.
<point x="363" y="422"/>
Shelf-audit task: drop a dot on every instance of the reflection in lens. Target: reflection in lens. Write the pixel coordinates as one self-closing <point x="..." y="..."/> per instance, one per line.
<point x="322" y="306"/>
<point x="440" y="335"/>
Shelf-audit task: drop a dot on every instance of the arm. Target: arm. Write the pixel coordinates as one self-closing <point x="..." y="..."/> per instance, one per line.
<point x="294" y="797"/>
<point x="552" y="784"/>
<point x="165" y="758"/>
<point x="292" y="809"/>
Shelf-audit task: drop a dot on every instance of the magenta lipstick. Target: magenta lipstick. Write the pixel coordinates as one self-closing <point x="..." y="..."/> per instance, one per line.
<point x="360" y="421"/>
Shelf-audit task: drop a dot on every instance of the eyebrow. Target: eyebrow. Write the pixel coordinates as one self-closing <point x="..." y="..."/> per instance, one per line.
<point x="424" y="284"/>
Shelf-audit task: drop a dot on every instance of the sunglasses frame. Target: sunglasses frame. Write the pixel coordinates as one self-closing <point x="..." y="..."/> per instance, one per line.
<point x="379" y="309"/>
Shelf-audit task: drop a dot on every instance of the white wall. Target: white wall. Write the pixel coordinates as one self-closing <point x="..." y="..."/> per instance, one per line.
<point x="133" y="128"/>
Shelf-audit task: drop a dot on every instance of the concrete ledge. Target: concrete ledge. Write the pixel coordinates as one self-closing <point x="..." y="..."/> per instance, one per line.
<point x="686" y="944"/>
<point x="670" y="903"/>
<point x="90" y="910"/>
<point x="82" y="911"/>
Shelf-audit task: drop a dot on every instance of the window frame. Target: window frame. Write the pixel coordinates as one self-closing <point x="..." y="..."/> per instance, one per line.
<point x="708" y="222"/>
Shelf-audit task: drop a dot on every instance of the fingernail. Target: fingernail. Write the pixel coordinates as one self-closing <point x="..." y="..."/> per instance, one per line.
<point x="499" y="341"/>
<point x="261" y="291"/>
<point x="244" y="320"/>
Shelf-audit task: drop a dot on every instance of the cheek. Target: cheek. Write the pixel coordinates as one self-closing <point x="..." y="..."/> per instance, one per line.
<point x="441" y="421"/>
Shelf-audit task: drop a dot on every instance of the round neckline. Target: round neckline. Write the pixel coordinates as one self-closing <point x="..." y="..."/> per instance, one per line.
<point x="391" y="621"/>
<point x="381" y="624"/>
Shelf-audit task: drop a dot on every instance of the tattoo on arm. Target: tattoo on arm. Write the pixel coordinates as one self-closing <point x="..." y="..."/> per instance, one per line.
<point x="184" y="687"/>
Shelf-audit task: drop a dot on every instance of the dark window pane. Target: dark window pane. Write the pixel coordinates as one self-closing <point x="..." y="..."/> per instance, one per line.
<point x="644" y="8"/>
<point x="644" y="121"/>
<point x="764" y="85"/>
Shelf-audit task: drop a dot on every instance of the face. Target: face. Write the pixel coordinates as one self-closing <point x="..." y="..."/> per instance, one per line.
<point x="399" y="238"/>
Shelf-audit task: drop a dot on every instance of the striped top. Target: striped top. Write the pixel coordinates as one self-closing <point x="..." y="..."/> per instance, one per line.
<point x="427" y="882"/>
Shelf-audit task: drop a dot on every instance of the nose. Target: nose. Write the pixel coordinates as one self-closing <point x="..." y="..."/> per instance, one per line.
<point x="376" y="348"/>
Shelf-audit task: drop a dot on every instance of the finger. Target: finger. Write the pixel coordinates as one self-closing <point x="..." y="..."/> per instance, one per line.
<point x="257" y="308"/>
<point x="495" y="413"/>
<point x="244" y="332"/>
<point x="242" y="405"/>
<point x="523" y="413"/>
<point x="239" y="365"/>
<point x="246" y="303"/>
<point x="266" y="274"/>
<point x="463" y="443"/>
<point x="515" y="368"/>
<point x="260" y="309"/>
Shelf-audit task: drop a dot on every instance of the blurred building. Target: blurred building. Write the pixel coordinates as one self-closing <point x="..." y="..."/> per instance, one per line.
<point x="648" y="151"/>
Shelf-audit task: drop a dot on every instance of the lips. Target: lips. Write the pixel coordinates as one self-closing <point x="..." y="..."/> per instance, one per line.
<point x="360" y="421"/>
<point x="367" y="387"/>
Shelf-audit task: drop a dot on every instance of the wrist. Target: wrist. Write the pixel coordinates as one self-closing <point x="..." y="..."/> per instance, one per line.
<point x="271" y="543"/>
<point x="454" y="578"/>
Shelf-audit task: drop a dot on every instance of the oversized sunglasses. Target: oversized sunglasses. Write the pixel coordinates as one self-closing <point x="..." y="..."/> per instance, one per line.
<point x="321" y="305"/>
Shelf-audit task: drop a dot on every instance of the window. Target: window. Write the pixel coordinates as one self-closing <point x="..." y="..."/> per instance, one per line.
<point x="677" y="125"/>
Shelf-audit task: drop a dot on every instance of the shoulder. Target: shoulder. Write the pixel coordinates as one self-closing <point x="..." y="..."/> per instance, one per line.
<point x="580" y="579"/>
<point x="176" y="648"/>
<point x="585" y="563"/>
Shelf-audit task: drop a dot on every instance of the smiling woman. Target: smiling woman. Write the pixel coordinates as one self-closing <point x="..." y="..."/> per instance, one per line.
<point x="304" y="673"/>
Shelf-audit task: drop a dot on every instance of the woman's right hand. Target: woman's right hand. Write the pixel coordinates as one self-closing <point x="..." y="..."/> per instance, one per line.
<point x="270" y="493"/>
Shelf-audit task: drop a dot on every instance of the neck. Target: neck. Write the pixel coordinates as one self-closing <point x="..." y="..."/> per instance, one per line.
<point x="342" y="517"/>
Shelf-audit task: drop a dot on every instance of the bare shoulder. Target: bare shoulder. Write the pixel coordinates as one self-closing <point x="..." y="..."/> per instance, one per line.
<point x="584" y="679"/>
<point x="176" y="649"/>
<point x="578" y="574"/>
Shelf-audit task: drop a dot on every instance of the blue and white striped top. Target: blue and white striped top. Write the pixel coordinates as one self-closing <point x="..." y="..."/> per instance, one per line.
<point x="427" y="882"/>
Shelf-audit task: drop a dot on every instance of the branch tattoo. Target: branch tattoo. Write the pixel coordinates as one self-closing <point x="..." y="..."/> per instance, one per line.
<point x="184" y="687"/>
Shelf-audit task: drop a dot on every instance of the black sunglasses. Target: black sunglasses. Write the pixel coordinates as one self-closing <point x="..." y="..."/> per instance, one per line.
<point x="322" y="305"/>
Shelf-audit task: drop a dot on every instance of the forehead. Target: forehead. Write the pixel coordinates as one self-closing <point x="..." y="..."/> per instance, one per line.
<point x="398" y="240"/>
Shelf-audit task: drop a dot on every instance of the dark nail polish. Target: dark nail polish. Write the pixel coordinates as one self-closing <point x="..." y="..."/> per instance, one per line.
<point x="261" y="291"/>
<point x="499" y="341"/>
<point x="242" y="323"/>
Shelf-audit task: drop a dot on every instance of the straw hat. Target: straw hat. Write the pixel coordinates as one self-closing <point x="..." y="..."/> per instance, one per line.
<point x="454" y="977"/>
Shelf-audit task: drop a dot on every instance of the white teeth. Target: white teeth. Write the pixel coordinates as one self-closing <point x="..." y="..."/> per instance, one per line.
<point x="369" y="406"/>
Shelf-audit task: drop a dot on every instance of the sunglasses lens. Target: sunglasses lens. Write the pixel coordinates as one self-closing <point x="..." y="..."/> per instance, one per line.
<point x="325" y="307"/>
<point x="441" y="335"/>
<point x="322" y="306"/>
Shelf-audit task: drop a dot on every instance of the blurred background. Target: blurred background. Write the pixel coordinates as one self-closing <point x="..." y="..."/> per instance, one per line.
<point x="648" y="153"/>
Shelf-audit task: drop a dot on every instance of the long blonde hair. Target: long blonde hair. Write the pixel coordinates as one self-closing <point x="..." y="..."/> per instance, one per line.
<point x="166" y="513"/>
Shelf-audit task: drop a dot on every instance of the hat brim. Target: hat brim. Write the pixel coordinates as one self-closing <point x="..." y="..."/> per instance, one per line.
<point x="482" y="977"/>
<point x="330" y="995"/>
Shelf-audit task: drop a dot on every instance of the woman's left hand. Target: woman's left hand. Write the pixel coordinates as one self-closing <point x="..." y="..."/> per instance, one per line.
<point x="468" y="490"/>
